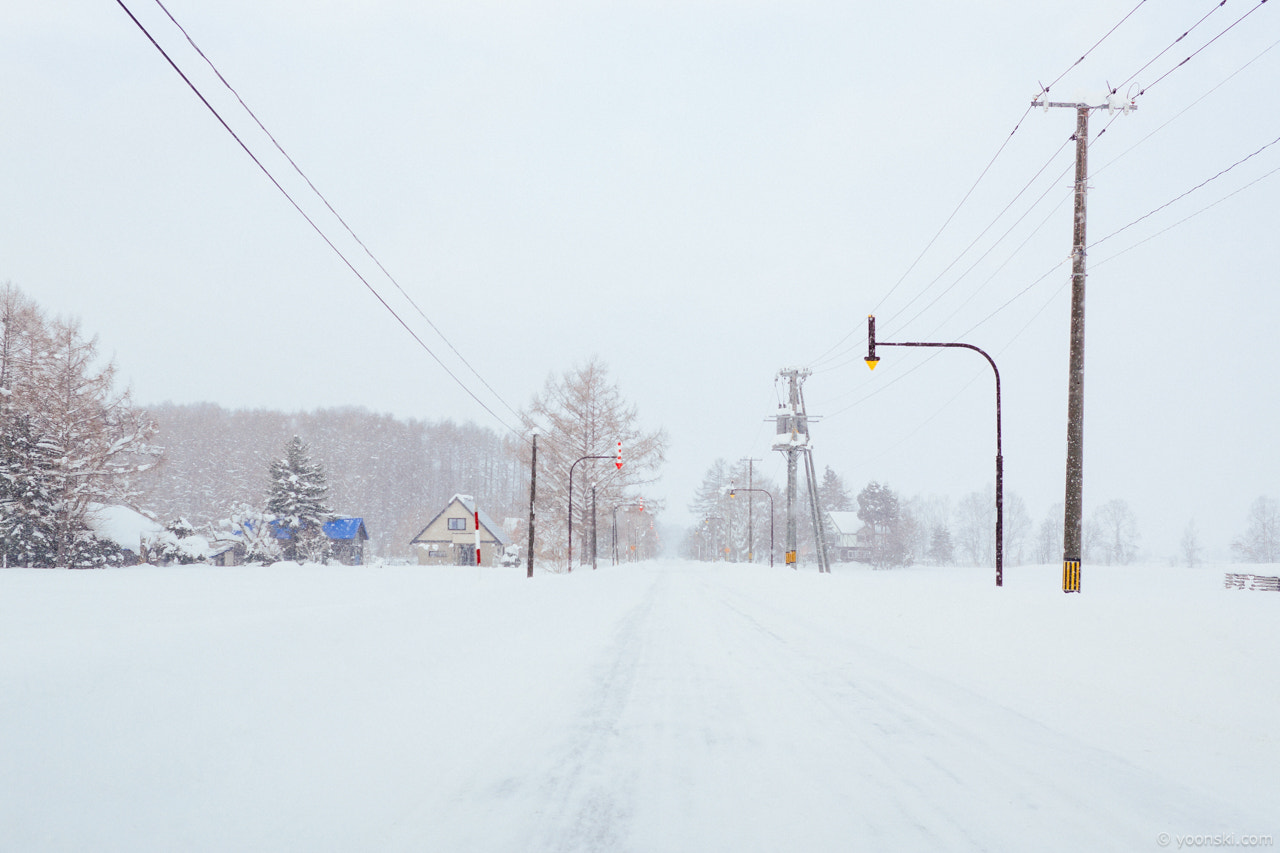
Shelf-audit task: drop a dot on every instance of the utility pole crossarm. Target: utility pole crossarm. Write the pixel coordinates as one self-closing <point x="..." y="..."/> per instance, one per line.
<point x="1127" y="107"/>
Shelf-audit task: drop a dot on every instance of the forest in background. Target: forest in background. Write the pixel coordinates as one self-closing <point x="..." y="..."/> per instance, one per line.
<point x="395" y="474"/>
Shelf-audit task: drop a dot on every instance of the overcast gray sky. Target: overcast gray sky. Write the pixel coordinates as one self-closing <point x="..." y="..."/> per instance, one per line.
<point x="699" y="192"/>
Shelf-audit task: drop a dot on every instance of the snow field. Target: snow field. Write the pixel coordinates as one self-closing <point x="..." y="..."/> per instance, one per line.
<point x="660" y="706"/>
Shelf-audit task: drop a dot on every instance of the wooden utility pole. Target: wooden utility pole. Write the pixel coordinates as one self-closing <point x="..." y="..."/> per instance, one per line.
<point x="1073" y="519"/>
<point x="751" y="530"/>
<point x="533" y="491"/>
<point x="1073" y="514"/>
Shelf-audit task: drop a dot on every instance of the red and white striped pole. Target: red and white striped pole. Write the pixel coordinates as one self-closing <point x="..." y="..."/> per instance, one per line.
<point x="619" y="462"/>
<point x="477" y="537"/>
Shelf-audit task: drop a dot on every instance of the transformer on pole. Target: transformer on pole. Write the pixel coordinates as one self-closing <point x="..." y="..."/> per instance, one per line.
<point x="792" y="438"/>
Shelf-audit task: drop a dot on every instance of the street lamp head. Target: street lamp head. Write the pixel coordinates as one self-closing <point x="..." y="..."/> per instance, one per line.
<point x="871" y="359"/>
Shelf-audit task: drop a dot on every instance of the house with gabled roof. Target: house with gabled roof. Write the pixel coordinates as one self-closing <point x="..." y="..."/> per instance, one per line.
<point x="450" y="538"/>
<point x="849" y="538"/>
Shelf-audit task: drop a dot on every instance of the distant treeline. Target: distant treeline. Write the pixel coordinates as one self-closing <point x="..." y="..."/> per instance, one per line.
<point x="396" y="474"/>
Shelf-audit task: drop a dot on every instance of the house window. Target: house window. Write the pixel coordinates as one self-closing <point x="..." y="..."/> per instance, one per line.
<point x="457" y="524"/>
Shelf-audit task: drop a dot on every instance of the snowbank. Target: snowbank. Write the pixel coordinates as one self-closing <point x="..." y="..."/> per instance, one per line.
<point x="658" y="706"/>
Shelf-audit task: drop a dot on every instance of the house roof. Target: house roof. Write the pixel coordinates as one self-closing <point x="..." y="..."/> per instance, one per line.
<point x="469" y="504"/>
<point x="338" y="528"/>
<point x="122" y="525"/>
<point x="844" y="521"/>
<point x="346" y="528"/>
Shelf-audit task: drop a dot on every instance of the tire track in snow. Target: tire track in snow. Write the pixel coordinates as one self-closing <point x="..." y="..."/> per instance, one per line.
<point x="965" y="772"/>
<point x="587" y="804"/>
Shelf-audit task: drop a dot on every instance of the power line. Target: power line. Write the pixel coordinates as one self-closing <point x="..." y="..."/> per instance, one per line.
<point x="1185" y="194"/>
<point x="881" y="451"/>
<point x="1185" y="218"/>
<point x="974" y="265"/>
<point x="1197" y="52"/>
<point x="1171" y="45"/>
<point x="330" y="207"/>
<point x="989" y="226"/>
<point x="993" y="246"/>
<point x="309" y="220"/>
<point x="1046" y="89"/>
<point x="933" y="334"/>
<point x="974" y="186"/>
<point x="1180" y="113"/>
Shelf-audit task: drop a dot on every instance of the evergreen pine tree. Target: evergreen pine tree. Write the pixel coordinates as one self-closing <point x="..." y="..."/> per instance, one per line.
<point x="832" y="494"/>
<point x="941" y="549"/>
<point x="297" y="502"/>
<point x="878" y="507"/>
<point x="26" y="504"/>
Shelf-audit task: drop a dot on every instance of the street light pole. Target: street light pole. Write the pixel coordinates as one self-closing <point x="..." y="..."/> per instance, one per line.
<point x="616" y="558"/>
<point x="571" y="467"/>
<point x="733" y="494"/>
<point x="872" y="361"/>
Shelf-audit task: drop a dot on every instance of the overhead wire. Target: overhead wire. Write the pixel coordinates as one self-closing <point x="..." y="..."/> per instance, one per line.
<point x="1099" y="41"/>
<point x="1185" y="218"/>
<point x="330" y="207"/>
<point x="1172" y="45"/>
<point x="978" y="373"/>
<point x="987" y="168"/>
<point x="993" y="246"/>
<point x="836" y="352"/>
<point x="984" y="231"/>
<point x="315" y="227"/>
<point x="1182" y="111"/>
<point x="1197" y="52"/>
<point x="1058" y="290"/>
<point x="1092" y="142"/>
<point x="1178" y="198"/>
<point x="1053" y="296"/>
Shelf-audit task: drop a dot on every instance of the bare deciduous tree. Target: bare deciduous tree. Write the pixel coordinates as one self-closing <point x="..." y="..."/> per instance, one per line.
<point x="1118" y="532"/>
<point x="84" y="442"/>
<point x="582" y="413"/>
<point x="1261" y="541"/>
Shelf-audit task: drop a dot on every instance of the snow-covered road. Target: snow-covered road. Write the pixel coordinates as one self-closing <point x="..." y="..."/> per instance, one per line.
<point x="662" y="706"/>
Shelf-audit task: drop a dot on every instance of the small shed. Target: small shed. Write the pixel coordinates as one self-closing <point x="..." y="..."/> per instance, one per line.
<point x="450" y="538"/>
<point x="348" y="537"/>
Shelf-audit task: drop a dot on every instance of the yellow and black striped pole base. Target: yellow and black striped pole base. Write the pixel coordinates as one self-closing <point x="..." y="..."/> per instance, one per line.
<point x="1071" y="576"/>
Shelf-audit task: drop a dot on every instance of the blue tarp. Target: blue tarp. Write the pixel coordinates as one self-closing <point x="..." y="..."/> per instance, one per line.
<point x="346" y="529"/>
